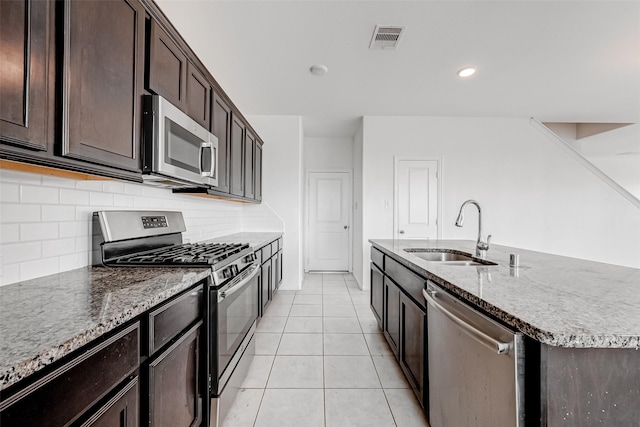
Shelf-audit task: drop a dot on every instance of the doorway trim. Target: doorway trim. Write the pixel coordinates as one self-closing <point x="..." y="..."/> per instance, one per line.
<point x="396" y="161"/>
<point x="307" y="191"/>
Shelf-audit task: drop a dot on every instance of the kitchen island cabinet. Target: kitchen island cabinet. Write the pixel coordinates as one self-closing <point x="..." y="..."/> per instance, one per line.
<point x="581" y="362"/>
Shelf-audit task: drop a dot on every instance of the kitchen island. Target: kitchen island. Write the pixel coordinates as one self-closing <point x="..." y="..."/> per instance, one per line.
<point x="581" y="320"/>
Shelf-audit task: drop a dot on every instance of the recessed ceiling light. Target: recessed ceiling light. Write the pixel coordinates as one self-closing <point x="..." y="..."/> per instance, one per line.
<point x="466" y="72"/>
<point x="318" y="70"/>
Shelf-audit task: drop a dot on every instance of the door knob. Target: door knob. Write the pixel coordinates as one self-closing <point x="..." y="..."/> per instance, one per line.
<point x="401" y="232"/>
<point x="346" y="226"/>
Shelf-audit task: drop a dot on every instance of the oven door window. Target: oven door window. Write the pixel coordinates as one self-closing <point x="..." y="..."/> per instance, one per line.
<point x="182" y="148"/>
<point x="236" y="314"/>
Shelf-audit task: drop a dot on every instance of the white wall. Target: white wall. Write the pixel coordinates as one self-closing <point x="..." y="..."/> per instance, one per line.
<point x="358" y="255"/>
<point x="46" y="221"/>
<point x="532" y="193"/>
<point x="282" y="177"/>
<point x="328" y="153"/>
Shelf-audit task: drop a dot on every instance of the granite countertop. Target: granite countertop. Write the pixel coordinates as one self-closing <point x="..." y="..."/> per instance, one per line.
<point x="44" y="319"/>
<point x="556" y="300"/>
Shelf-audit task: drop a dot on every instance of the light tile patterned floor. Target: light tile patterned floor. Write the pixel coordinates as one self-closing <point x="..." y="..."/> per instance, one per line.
<point x="322" y="361"/>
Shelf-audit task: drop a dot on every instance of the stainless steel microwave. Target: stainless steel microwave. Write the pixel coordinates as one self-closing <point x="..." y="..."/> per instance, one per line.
<point x="177" y="151"/>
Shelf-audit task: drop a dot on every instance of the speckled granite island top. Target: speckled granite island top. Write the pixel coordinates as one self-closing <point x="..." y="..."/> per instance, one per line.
<point x="556" y="300"/>
<point x="44" y="319"/>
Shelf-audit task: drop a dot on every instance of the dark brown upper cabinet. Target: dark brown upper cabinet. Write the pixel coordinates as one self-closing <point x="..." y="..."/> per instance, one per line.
<point x="167" y="67"/>
<point x="257" y="171"/>
<point x="249" y="150"/>
<point x="221" y="127"/>
<point x="236" y="158"/>
<point x="24" y="73"/>
<point x="103" y="81"/>
<point x="198" y="96"/>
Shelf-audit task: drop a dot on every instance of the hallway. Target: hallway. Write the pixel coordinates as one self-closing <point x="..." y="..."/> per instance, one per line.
<point x="322" y="361"/>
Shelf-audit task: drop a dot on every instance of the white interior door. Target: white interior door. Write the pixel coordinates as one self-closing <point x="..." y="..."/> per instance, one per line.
<point x="329" y="224"/>
<point x="417" y="199"/>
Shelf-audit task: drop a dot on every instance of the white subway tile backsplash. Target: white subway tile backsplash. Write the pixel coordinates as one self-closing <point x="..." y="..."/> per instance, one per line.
<point x="39" y="268"/>
<point x="74" y="197"/>
<point x="38" y="231"/>
<point x="42" y="195"/>
<point x="71" y="261"/>
<point x="10" y="233"/>
<point x="100" y="199"/>
<point x="74" y="229"/>
<point x="57" y="247"/>
<point x="58" y="213"/>
<point x="113" y="187"/>
<point x="10" y="274"/>
<point x="92" y="185"/>
<point x="10" y="192"/>
<point x="122" y="200"/>
<point x="17" y="212"/>
<point x="49" y="229"/>
<point x="54" y="181"/>
<point x="18" y="252"/>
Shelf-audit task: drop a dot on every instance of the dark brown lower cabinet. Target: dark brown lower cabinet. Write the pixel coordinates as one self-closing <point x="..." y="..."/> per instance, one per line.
<point x="377" y="293"/>
<point x="279" y="263"/>
<point x="175" y="397"/>
<point x="392" y="314"/>
<point x="412" y="355"/>
<point x="67" y="393"/>
<point x="122" y="410"/>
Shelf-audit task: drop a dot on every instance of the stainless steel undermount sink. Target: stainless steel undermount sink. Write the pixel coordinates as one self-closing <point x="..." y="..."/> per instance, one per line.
<point x="448" y="256"/>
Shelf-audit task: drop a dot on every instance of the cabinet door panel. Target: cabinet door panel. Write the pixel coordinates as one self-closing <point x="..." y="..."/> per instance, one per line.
<point x="266" y="284"/>
<point x="221" y="127"/>
<point x="249" y="148"/>
<point x="198" y="97"/>
<point x="236" y="157"/>
<point x="122" y="410"/>
<point x="103" y="81"/>
<point x="392" y="315"/>
<point x="174" y="383"/>
<point x="412" y="349"/>
<point x="167" y="67"/>
<point x="24" y="51"/>
<point x="257" y="171"/>
<point x="377" y="292"/>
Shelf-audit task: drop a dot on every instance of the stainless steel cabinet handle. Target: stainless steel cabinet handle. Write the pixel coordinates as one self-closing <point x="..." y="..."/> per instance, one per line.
<point x="475" y="333"/>
<point x="237" y="286"/>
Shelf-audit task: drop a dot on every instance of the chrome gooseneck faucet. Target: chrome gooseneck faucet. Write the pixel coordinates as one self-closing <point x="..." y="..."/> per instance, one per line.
<point x="481" y="247"/>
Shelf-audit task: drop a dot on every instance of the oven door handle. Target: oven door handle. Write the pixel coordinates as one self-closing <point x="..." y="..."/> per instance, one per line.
<point x="236" y="287"/>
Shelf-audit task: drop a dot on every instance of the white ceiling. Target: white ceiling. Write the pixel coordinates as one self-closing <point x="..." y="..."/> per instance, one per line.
<point x="558" y="61"/>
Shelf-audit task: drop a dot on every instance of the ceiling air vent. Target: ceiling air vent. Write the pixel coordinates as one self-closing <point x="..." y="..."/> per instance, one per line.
<point x="386" y="36"/>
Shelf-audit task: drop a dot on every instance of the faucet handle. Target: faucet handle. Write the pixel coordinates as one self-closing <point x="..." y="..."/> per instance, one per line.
<point x="488" y="240"/>
<point x="484" y="246"/>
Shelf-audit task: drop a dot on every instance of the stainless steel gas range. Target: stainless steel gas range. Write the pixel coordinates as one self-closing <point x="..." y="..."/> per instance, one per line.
<point x="154" y="239"/>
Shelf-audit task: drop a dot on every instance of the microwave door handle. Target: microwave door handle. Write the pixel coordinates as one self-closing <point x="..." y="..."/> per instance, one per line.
<point x="214" y="161"/>
<point x="202" y="147"/>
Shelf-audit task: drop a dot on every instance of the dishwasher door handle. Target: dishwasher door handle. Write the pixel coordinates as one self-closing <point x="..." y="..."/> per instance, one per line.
<point x="475" y="333"/>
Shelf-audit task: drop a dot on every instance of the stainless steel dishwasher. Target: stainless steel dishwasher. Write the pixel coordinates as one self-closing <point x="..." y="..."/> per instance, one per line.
<point x="476" y="366"/>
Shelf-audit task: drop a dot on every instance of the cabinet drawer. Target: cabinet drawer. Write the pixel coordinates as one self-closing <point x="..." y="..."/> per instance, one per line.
<point x="172" y="318"/>
<point x="258" y="255"/>
<point x="266" y="253"/>
<point x="410" y="282"/>
<point x="64" y="394"/>
<point x="377" y="257"/>
<point x="274" y="247"/>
